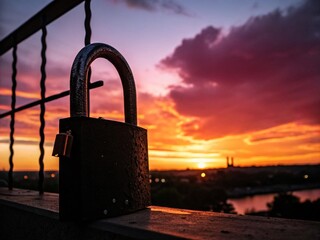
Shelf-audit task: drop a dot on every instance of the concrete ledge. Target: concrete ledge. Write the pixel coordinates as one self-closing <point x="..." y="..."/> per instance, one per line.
<point x="26" y="215"/>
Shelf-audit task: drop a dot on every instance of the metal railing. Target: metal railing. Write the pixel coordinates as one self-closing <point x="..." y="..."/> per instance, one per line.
<point x="38" y="22"/>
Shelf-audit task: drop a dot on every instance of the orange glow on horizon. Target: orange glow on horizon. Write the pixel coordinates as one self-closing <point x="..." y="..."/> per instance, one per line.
<point x="170" y="147"/>
<point x="192" y="154"/>
<point x="201" y="165"/>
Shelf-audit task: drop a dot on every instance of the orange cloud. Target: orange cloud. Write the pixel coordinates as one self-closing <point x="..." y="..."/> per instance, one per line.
<point x="7" y="92"/>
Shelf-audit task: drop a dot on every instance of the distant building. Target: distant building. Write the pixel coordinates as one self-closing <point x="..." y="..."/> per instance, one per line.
<point x="229" y="162"/>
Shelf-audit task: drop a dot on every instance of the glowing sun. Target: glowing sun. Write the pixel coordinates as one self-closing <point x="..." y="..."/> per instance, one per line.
<point x="201" y="165"/>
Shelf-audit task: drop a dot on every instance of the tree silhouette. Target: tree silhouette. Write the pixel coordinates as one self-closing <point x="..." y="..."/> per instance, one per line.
<point x="289" y="206"/>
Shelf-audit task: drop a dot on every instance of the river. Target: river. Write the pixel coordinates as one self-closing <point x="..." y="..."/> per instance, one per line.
<point x="259" y="202"/>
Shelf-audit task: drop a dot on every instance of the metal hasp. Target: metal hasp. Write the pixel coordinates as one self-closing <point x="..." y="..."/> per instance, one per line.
<point x="107" y="173"/>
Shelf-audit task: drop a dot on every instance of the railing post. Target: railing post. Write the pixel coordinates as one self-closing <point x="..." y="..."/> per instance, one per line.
<point x="42" y="104"/>
<point x="12" y="121"/>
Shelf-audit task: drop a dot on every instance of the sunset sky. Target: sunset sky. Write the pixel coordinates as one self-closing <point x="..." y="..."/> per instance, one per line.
<point x="214" y="78"/>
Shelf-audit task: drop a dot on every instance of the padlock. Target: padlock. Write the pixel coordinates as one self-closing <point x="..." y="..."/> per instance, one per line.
<point x="62" y="145"/>
<point x="107" y="173"/>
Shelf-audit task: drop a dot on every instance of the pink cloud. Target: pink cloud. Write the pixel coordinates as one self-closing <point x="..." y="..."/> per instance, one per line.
<point x="262" y="74"/>
<point x="28" y="78"/>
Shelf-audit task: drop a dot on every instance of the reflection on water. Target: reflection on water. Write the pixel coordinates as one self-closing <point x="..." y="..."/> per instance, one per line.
<point x="259" y="202"/>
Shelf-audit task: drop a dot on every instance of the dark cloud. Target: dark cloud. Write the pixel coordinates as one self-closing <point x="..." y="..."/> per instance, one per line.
<point x="155" y="5"/>
<point x="262" y="74"/>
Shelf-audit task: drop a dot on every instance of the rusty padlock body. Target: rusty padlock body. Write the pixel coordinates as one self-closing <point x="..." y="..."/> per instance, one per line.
<point x="107" y="173"/>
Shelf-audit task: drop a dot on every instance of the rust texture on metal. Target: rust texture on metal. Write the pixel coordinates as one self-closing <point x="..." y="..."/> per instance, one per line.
<point x="79" y="81"/>
<point x="107" y="173"/>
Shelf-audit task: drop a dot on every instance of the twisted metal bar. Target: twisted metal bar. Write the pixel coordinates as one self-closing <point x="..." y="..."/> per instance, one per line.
<point x="12" y="121"/>
<point x="87" y="21"/>
<point x="42" y="107"/>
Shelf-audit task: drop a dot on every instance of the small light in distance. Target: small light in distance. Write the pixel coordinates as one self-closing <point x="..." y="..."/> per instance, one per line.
<point x="203" y="175"/>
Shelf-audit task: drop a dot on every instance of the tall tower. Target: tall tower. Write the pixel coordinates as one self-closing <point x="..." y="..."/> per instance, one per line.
<point x="229" y="162"/>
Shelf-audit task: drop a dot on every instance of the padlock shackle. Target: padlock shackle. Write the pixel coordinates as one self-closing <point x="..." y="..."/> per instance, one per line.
<point x="79" y="81"/>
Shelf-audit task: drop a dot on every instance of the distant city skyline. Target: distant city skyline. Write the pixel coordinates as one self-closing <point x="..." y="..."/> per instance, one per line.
<point x="213" y="78"/>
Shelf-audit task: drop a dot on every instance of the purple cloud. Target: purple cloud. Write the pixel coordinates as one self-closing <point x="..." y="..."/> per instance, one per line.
<point x="262" y="74"/>
<point x="155" y="5"/>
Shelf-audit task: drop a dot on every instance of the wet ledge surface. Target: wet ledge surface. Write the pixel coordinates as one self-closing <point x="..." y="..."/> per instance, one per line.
<point x="37" y="217"/>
